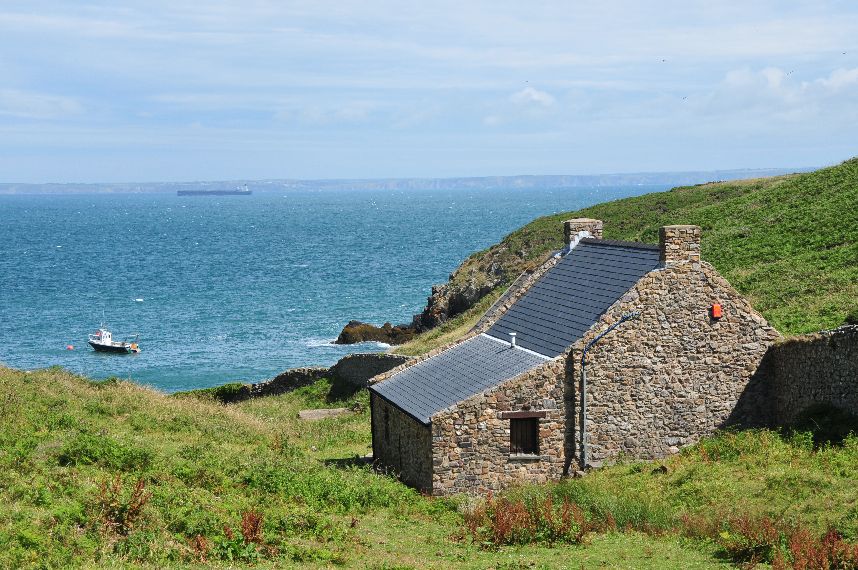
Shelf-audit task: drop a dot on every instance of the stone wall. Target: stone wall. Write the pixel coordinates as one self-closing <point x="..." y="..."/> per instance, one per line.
<point x="287" y="381"/>
<point x="401" y="444"/>
<point x="471" y="440"/>
<point x="358" y="369"/>
<point x="663" y="380"/>
<point x="814" y="369"/>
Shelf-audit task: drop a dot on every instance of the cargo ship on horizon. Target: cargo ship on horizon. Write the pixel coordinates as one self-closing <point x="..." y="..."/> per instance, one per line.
<point x="237" y="191"/>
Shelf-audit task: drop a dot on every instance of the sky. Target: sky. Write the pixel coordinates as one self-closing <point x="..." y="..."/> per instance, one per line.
<point x="176" y="90"/>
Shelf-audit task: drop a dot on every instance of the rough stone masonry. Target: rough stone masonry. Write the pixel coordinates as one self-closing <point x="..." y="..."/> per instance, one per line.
<point x="655" y="384"/>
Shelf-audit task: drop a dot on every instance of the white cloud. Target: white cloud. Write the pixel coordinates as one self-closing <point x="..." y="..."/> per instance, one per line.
<point x="324" y="69"/>
<point x="529" y="95"/>
<point x="839" y="79"/>
<point x="758" y="98"/>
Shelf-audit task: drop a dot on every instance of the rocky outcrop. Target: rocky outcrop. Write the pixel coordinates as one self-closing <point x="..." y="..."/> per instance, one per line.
<point x="449" y="300"/>
<point x="357" y="331"/>
<point x="288" y="381"/>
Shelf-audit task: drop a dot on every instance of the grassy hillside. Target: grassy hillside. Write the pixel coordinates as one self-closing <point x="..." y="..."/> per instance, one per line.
<point x="788" y="243"/>
<point x="114" y="475"/>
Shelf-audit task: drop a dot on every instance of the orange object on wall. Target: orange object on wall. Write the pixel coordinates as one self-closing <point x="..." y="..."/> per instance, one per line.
<point x="716" y="311"/>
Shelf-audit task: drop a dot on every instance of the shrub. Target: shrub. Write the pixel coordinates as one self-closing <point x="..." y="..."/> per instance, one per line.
<point x="118" y="514"/>
<point x="200" y="547"/>
<point x="497" y="522"/>
<point x="251" y="527"/>
<point x="234" y="548"/>
<point x="226" y="394"/>
<point x="752" y="539"/>
<point x="829" y="552"/>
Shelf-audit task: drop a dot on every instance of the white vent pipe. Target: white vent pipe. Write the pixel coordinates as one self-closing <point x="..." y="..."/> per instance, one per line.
<point x="512" y="340"/>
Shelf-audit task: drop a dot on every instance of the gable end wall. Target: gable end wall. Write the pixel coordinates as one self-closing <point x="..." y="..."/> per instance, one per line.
<point x="674" y="374"/>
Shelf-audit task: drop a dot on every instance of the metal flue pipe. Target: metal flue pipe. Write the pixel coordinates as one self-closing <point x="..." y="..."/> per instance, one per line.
<point x="583" y="427"/>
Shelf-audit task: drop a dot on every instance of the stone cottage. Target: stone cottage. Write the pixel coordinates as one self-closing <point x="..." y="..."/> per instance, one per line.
<point x="676" y="348"/>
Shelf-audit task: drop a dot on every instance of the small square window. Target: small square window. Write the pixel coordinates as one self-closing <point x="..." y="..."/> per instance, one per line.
<point x="524" y="436"/>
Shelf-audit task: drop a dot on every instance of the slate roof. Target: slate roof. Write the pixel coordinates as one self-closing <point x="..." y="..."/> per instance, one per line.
<point x="554" y="313"/>
<point x="559" y="308"/>
<point x="454" y="375"/>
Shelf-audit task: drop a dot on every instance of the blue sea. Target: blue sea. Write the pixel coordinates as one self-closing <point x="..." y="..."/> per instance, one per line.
<point x="236" y="288"/>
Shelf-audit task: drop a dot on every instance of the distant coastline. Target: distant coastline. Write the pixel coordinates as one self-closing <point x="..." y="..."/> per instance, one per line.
<point x="473" y="183"/>
<point x="213" y="192"/>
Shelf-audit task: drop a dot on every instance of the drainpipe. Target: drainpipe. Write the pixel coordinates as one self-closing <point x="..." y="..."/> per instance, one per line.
<point x="583" y="430"/>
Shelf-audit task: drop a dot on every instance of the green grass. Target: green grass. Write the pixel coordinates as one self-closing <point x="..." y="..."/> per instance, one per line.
<point x="72" y="453"/>
<point x="753" y="496"/>
<point x="788" y="243"/>
<point x="204" y="466"/>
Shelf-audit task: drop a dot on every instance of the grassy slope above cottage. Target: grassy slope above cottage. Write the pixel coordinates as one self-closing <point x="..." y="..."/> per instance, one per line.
<point x="789" y="244"/>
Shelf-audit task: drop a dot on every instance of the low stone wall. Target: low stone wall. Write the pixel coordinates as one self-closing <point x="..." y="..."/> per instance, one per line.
<point x="355" y="369"/>
<point x="401" y="444"/>
<point x="288" y="381"/>
<point x="358" y="369"/>
<point x="820" y="368"/>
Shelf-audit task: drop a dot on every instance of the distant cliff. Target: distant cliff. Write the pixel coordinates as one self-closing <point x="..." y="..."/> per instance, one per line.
<point x="483" y="182"/>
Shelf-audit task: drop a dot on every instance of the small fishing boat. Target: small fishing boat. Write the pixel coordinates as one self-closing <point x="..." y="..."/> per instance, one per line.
<point x="102" y="341"/>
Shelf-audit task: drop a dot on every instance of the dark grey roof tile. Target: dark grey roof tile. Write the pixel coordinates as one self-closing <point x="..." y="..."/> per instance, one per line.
<point x="555" y="312"/>
<point x="454" y="375"/>
<point x="559" y="308"/>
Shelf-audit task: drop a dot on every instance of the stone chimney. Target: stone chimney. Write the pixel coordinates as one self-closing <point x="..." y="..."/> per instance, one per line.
<point x="679" y="243"/>
<point x="572" y="227"/>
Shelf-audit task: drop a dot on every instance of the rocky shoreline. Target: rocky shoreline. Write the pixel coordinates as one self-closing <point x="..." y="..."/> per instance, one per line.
<point x="475" y="278"/>
<point x="358" y="331"/>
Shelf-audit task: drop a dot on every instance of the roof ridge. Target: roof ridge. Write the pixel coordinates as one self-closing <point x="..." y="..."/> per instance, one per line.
<point x="620" y="243"/>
